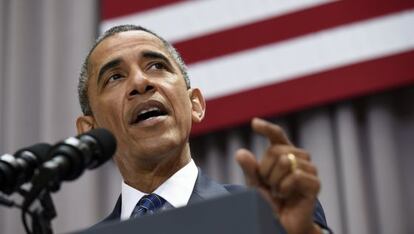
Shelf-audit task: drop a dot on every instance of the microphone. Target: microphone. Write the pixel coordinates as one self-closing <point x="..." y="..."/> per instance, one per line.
<point x="19" y="168"/>
<point x="70" y="157"/>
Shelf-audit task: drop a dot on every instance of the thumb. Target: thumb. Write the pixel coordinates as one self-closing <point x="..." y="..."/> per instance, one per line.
<point x="249" y="165"/>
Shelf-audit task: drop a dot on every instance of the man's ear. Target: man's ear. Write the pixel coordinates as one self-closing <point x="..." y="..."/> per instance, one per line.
<point x="198" y="105"/>
<point x="85" y="123"/>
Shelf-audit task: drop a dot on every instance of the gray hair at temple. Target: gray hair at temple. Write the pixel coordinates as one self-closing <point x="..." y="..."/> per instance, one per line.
<point x="84" y="74"/>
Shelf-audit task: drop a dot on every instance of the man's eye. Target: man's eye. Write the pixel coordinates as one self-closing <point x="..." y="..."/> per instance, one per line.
<point x="114" y="78"/>
<point x="158" y="66"/>
<point x="111" y="79"/>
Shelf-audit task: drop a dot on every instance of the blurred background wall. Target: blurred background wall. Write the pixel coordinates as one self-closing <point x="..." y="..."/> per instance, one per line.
<point x="336" y="75"/>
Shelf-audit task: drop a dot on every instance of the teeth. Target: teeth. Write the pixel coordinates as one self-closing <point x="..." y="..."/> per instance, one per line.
<point x="148" y="110"/>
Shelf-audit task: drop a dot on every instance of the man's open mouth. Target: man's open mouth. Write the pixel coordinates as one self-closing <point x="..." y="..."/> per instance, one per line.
<point x="147" y="110"/>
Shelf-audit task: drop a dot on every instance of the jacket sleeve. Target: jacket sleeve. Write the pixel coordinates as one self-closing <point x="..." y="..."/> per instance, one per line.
<point x="319" y="217"/>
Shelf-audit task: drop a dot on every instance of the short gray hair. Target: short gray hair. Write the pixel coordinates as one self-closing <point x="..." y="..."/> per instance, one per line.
<point x="84" y="74"/>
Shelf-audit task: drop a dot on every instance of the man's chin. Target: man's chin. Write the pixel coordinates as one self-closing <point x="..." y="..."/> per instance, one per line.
<point x="158" y="146"/>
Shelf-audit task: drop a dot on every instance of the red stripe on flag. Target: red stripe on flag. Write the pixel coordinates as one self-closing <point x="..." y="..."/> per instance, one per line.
<point x="304" y="92"/>
<point x="285" y="27"/>
<point x="116" y="8"/>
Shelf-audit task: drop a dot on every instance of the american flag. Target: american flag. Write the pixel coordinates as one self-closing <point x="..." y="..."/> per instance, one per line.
<point x="270" y="57"/>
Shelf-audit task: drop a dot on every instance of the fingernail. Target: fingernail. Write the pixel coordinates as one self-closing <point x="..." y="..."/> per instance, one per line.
<point x="258" y="120"/>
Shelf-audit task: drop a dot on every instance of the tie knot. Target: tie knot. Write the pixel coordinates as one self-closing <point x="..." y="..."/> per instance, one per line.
<point x="151" y="202"/>
<point x="148" y="204"/>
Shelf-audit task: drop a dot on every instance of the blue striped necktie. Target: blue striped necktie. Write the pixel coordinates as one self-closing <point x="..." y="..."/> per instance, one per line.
<point x="148" y="204"/>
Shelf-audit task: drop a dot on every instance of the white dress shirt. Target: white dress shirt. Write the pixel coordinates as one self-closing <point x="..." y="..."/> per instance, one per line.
<point x="176" y="190"/>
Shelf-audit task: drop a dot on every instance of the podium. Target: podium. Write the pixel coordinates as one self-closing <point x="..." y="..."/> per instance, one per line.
<point x="240" y="213"/>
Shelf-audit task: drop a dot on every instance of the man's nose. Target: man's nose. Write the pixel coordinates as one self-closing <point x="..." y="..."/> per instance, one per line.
<point x="140" y="84"/>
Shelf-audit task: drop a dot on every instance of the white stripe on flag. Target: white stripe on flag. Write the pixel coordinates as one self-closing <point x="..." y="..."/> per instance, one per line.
<point x="309" y="54"/>
<point x="203" y="17"/>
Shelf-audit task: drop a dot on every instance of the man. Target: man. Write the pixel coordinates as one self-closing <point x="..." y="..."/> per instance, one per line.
<point x="135" y="84"/>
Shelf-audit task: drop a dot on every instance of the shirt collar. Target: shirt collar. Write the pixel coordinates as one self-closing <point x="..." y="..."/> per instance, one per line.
<point x="176" y="190"/>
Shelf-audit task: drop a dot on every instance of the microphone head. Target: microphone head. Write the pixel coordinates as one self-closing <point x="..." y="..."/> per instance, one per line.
<point x="40" y="151"/>
<point x="106" y="144"/>
<point x="19" y="168"/>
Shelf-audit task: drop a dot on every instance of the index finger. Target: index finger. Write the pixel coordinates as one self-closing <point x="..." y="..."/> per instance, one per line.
<point x="273" y="132"/>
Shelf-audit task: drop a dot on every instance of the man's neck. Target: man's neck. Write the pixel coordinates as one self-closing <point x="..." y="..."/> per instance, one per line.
<point x="147" y="176"/>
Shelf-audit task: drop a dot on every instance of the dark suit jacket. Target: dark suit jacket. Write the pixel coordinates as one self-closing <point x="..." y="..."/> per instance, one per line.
<point x="206" y="188"/>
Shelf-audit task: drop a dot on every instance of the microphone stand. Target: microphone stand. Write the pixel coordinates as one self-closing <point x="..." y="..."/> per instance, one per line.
<point x="41" y="221"/>
<point x="42" y="186"/>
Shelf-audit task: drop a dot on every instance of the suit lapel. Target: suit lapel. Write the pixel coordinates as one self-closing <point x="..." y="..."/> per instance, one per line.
<point x="116" y="212"/>
<point x="206" y="188"/>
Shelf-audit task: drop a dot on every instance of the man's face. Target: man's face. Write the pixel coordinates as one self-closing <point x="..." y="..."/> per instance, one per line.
<point x="136" y="90"/>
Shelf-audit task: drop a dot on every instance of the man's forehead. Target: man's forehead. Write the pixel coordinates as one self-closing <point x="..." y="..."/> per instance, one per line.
<point x="115" y="44"/>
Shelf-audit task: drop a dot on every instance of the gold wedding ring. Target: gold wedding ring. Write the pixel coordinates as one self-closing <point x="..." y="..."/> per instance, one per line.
<point x="293" y="162"/>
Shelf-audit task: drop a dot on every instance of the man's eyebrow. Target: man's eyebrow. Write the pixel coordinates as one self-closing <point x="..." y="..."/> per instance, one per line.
<point x="111" y="64"/>
<point x="156" y="55"/>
